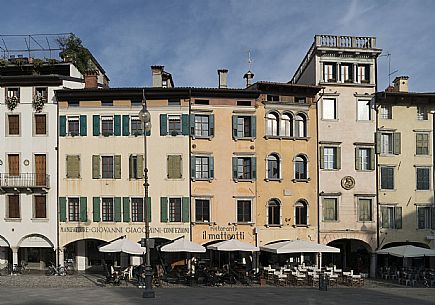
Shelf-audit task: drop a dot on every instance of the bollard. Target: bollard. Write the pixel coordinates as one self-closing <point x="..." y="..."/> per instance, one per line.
<point x="323" y="283"/>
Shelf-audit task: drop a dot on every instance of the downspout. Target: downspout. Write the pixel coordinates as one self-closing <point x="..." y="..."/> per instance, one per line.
<point x="377" y="156"/>
<point x="190" y="165"/>
<point x="317" y="165"/>
<point x="57" y="183"/>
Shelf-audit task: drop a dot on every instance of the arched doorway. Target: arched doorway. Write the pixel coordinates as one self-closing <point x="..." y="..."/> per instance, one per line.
<point x="85" y="255"/>
<point x="354" y="255"/>
<point x="37" y="250"/>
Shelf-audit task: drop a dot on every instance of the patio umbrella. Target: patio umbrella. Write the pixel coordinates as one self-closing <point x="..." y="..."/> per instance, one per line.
<point x="298" y="246"/>
<point x="123" y="245"/>
<point x="183" y="245"/>
<point x="232" y="245"/>
<point x="407" y="251"/>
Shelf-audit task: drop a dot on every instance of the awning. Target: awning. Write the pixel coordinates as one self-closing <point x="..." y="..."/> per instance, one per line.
<point x="407" y="251"/>
<point x="232" y="245"/>
<point x="123" y="245"/>
<point x="183" y="245"/>
<point x="299" y="246"/>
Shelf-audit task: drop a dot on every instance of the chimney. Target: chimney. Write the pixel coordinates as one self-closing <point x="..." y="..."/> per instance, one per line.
<point x="401" y="84"/>
<point x="223" y="76"/>
<point x="249" y="76"/>
<point x="91" y="81"/>
<point x="157" y="72"/>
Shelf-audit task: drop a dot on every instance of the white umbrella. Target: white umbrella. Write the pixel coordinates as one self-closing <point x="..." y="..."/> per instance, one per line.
<point x="123" y="245"/>
<point x="183" y="245"/>
<point x="298" y="246"/>
<point x="407" y="251"/>
<point x="232" y="245"/>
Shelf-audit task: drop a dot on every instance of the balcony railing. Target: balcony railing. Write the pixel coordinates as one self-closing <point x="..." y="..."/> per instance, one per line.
<point x="352" y="42"/>
<point x="26" y="180"/>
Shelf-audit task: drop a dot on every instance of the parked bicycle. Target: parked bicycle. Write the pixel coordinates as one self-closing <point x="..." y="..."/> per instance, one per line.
<point x="22" y="268"/>
<point x="53" y="270"/>
<point x="69" y="267"/>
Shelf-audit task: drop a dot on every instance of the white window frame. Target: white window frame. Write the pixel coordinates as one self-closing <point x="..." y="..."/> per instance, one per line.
<point x="272" y="124"/>
<point x="328" y="115"/>
<point x="106" y="118"/>
<point x="364" y="111"/>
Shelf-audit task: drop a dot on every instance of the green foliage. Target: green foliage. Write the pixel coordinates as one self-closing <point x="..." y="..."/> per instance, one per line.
<point x="37" y="63"/>
<point x="74" y="51"/>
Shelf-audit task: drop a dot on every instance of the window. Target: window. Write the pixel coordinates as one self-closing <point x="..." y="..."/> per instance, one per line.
<point x="76" y="125"/>
<point x="244" y="211"/>
<point x="330" y="157"/>
<point x="423" y="178"/>
<point x="41" y="92"/>
<point x="202" y="210"/>
<point x="329" y="109"/>
<point x="346" y="73"/>
<point x="301" y="213"/>
<point x="287" y="125"/>
<point x="300" y="100"/>
<point x="174" y="167"/>
<point x="107" y="125"/>
<point x="387" y="178"/>
<point x="107" y="209"/>
<point x="273" y="167"/>
<point x="329" y="72"/>
<point x="136" y="126"/>
<point x="364" y="158"/>
<point x="425" y="217"/>
<point x="73" y="125"/>
<point x="13" y="93"/>
<point x="40" y="124"/>
<point x="174" y="124"/>
<point x="243" y="126"/>
<point x="386" y="112"/>
<point x="274" y="212"/>
<point x="244" y="168"/>
<point x="300" y="126"/>
<point x="365" y="209"/>
<point x="14" y="206"/>
<point x="73" y="209"/>
<point x="388" y="143"/>
<point x="136" y="166"/>
<point x="202" y="125"/>
<point x="363" y="73"/>
<point x="422" y="144"/>
<point x="73" y="166"/>
<point x="174" y="209"/>
<point x="137" y="210"/>
<point x="272" y="120"/>
<point x="13" y="124"/>
<point x="364" y="112"/>
<point x="203" y="167"/>
<point x="107" y="167"/>
<point x="391" y="217"/>
<point x="330" y="209"/>
<point x="272" y="98"/>
<point x="301" y="168"/>
<point x="422" y="113"/>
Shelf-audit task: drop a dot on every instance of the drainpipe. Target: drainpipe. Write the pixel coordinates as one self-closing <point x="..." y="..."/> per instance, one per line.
<point x="317" y="166"/>
<point x="57" y="184"/>
<point x="190" y="165"/>
<point x="377" y="156"/>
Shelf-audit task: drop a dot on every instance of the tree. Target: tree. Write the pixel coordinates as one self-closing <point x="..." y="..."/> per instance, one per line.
<point x="74" y="51"/>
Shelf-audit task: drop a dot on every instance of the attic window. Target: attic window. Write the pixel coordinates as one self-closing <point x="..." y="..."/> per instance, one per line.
<point x="243" y="103"/>
<point x="174" y="102"/>
<point x="300" y="100"/>
<point x="202" y="102"/>
<point x="272" y="98"/>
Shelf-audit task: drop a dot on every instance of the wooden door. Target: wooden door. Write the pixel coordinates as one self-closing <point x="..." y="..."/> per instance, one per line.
<point x="40" y="169"/>
<point x="14" y="165"/>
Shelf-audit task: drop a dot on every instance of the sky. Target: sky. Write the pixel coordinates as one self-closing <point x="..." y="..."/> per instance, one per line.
<point x="193" y="39"/>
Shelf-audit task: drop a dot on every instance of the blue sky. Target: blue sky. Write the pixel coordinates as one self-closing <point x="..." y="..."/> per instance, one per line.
<point x="193" y="39"/>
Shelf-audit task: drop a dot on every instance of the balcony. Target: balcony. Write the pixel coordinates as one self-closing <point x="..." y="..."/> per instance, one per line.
<point x="27" y="181"/>
<point x="350" y="42"/>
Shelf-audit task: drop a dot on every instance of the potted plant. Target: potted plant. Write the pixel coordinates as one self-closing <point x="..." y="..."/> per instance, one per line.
<point x="39" y="102"/>
<point x="12" y="102"/>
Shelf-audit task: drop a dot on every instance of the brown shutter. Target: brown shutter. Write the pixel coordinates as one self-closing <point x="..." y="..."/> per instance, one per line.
<point x="14" y="164"/>
<point x="40" y="124"/>
<point x="40" y="207"/>
<point x="14" y="206"/>
<point x="14" y="124"/>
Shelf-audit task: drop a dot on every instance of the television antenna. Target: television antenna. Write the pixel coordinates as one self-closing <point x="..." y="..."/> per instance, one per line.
<point x="388" y="54"/>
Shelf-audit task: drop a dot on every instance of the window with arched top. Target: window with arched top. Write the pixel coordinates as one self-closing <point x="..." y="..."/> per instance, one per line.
<point x="301" y="213"/>
<point x="274" y="212"/>
<point x="272" y="120"/>
<point x="273" y="167"/>
<point x="300" y="126"/>
<point x="301" y="167"/>
<point x="286" y="125"/>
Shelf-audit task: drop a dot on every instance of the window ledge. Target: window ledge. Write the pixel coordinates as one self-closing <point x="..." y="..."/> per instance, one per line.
<point x="244" y="139"/>
<point x="333" y="221"/>
<point x="364" y="170"/>
<point x="202" y="179"/>
<point x="244" y="223"/>
<point x="7" y="219"/>
<point x="330" y="169"/>
<point x="365" y="221"/>
<point x="273" y="226"/>
<point x="40" y="219"/>
<point x="301" y="180"/>
<point x="267" y="137"/>
<point x="69" y="179"/>
<point x="244" y="180"/>
<point x="273" y="179"/>
<point x="301" y="226"/>
<point x="202" y="138"/>
<point x="202" y="223"/>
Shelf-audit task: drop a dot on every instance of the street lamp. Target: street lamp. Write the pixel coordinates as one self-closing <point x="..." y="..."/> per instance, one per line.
<point x="145" y="118"/>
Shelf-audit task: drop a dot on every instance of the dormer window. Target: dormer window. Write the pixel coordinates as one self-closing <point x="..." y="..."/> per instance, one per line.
<point x="329" y="72"/>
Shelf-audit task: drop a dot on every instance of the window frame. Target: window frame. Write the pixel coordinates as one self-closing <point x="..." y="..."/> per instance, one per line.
<point x="8" y="115"/>
<point x="244" y="127"/>
<point x="76" y="213"/>
<point x="386" y="112"/>
<point x="107" y="209"/>
<point x="425" y="147"/>
<point x="136" y="131"/>
<point x="14" y="217"/>
<point x="428" y="182"/>
<point x="382" y="185"/>
<point x="168" y="172"/>
<point x="273" y="123"/>
<point x="106" y="157"/>
<point x="35" y="124"/>
<point x="244" y="175"/>
<point x="329" y="72"/>
<point x="422" y="113"/>
<point x="201" y="125"/>
<point x="243" y="202"/>
<point x="336" y="209"/>
<point x="335" y="158"/>
<point x="350" y="78"/>
<point x="273" y="204"/>
<point x="392" y="217"/>
<point x="359" y="111"/>
<point x="297" y="165"/>
<point x="136" y="204"/>
<point x="298" y="214"/>
<point x="334" y="117"/>
<point x="106" y="118"/>
<point x="202" y="219"/>
<point x="360" y="217"/>
<point x="202" y="174"/>
<point x="428" y="217"/>
<point x="272" y="165"/>
<point x="171" y="216"/>
<point x="364" y="164"/>
<point x="172" y="120"/>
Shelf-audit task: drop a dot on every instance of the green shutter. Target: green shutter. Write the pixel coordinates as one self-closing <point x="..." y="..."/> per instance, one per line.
<point x="117" y="125"/>
<point x="398" y="217"/>
<point x="211" y="167"/>
<point x="62" y="126"/>
<point x="62" y="209"/>
<point x="433" y="218"/>
<point x="73" y="167"/>
<point x="234" y="126"/>
<point x="163" y="124"/>
<point x="254" y="167"/>
<point x="378" y="142"/>
<point x="96" y="209"/>
<point x="185" y="124"/>
<point x="83" y="126"/>
<point x="385" y="220"/>
<point x="396" y="142"/>
<point x="117" y="211"/>
<point x="126" y="209"/>
<point x="139" y="173"/>
<point x="164" y="209"/>
<point x="192" y="124"/>
<point x="148" y="208"/>
<point x="130" y="167"/>
<point x="338" y="157"/>
<point x="253" y="126"/>
<point x="185" y="210"/>
<point x="96" y="125"/>
<point x="234" y="167"/>
<point x="83" y="209"/>
<point x="125" y="125"/>
<point x="174" y="167"/>
<point x="322" y="157"/>
<point x="95" y="167"/>
<point x="117" y="166"/>
<point x="357" y="159"/>
<point x="372" y="159"/>
<point x="211" y="125"/>
<point x="192" y="167"/>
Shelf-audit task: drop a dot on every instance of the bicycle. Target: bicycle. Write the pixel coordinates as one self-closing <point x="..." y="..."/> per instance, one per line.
<point x="53" y="270"/>
<point x="69" y="267"/>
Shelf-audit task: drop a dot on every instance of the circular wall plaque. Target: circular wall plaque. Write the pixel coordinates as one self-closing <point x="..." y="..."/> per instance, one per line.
<point x="26" y="162"/>
<point x="347" y="182"/>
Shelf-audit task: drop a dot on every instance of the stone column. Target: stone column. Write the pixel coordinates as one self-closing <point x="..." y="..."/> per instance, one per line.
<point x="373" y="265"/>
<point x="81" y="255"/>
<point x="15" y="255"/>
<point x="61" y="256"/>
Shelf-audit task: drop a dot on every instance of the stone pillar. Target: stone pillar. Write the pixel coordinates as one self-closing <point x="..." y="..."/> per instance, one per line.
<point x="81" y="255"/>
<point x="15" y="255"/>
<point x="373" y="265"/>
<point x="61" y="252"/>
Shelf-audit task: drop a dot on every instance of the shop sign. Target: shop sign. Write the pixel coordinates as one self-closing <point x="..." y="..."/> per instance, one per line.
<point x="126" y="230"/>
<point x="223" y="233"/>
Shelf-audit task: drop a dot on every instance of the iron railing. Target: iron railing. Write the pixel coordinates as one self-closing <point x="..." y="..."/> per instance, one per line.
<point x="25" y="180"/>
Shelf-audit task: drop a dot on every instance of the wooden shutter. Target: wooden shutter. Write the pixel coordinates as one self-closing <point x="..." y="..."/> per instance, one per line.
<point x="40" y="206"/>
<point x="40" y="124"/>
<point x="148" y="208"/>
<point x="174" y="167"/>
<point x="322" y="157"/>
<point x="14" y="164"/>
<point x="384" y="218"/>
<point x="62" y="209"/>
<point x="378" y="142"/>
<point x="211" y="125"/>
<point x="338" y="157"/>
<point x="192" y="125"/>
<point x="397" y="144"/>
<point x="83" y="126"/>
<point x="95" y="167"/>
<point x="131" y="167"/>
<point x="125" y="125"/>
<point x="185" y="210"/>
<point x="253" y="126"/>
<point x="211" y="167"/>
<point x="117" y="209"/>
<point x="234" y="126"/>
<point x="192" y="167"/>
<point x="163" y="124"/>
<point x="117" y="167"/>
<point x="164" y="209"/>
<point x="357" y="159"/>
<point x="117" y="125"/>
<point x="372" y="159"/>
<point x="62" y="126"/>
<point x="96" y="125"/>
<point x="83" y="209"/>
<point x="254" y="168"/>
<point x="96" y="209"/>
<point x="73" y="166"/>
<point x="235" y="168"/>
<point x="398" y="217"/>
<point x="126" y="209"/>
<point x="139" y="173"/>
<point x="185" y="124"/>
